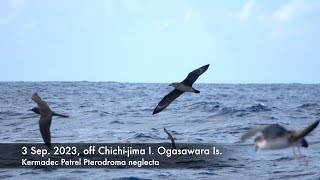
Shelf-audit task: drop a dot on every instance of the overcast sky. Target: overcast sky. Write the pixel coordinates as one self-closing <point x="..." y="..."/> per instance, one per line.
<point x="245" y="41"/>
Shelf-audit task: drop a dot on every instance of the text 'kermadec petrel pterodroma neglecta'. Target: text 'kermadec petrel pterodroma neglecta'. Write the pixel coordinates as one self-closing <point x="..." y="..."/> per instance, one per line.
<point x="45" y="119"/>
<point x="184" y="86"/>
<point x="275" y="136"/>
<point x="37" y="111"/>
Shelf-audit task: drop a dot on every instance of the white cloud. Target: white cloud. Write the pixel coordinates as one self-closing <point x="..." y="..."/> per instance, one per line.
<point x="295" y="8"/>
<point x="189" y="14"/>
<point x="30" y="26"/>
<point x="107" y="6"/>
<point x="245" y="12"/>
<point x="15" y="7"/>
<point x="167" y="22"/>
<point x="131" y="5"/>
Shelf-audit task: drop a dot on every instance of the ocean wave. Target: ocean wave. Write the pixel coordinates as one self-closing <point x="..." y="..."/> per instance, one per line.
<point x="207" y="173"/>
<point x="258" y="108"/>
<point x="142" y="135"/>
<point x="130" y="178"/>
<point x="6" y="176"/>
<point x="239" y="112"/>
<point x="308" y="105"/>
<point x="228" y="110"/>
<point x="188" y="118"/>
<point x="105" y="114"/>
<point x="205" y="106"/>
<point x="10" y="113"/>
<point x="116" y="122"/>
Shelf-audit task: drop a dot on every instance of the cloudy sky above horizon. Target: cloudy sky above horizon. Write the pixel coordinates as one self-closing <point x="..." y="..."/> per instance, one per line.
<point x="246" y="41"/>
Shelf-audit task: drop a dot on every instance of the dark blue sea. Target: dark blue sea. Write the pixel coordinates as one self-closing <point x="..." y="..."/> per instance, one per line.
<point x="111" y="112"/>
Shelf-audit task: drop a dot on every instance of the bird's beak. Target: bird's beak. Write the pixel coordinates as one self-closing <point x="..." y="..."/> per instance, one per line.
<point x="29" y="109"/>
<point x="256" y="148"/>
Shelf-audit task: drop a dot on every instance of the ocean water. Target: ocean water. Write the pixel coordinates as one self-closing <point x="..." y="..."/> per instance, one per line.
<point x="111" y="112"/>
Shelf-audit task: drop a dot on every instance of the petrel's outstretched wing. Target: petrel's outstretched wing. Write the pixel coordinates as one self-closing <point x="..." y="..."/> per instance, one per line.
<point x="193" y="76"/>
<point x="45" y="119"/>
<point x="274" y="131"/>
<point x="253" y="132"/>
<point x="37" y="111"/>
<point x="44" y="125"/>
<point x="60" y="115"/>
<point x="171" y="138"/>
<point x="268" y="131"/>
<point x="167" y="100"/>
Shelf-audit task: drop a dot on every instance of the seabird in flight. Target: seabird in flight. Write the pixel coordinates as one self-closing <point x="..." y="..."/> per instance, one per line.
<point x="184" y="86"/>
<point x="45" y="119"/>
<point x="171" y="138"/>
<point x="275" y="136"/>
<point x="37" y="111"/>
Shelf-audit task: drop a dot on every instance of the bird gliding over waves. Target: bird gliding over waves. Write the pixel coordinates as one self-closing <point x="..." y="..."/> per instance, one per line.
<point x="184" y="86"/>
<point x="45" y="119"/>
<point x="37" y="111"/>
<point x="275" y="136"/>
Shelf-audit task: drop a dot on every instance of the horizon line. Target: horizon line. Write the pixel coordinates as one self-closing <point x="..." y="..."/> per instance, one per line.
<point x="66" y="81"/>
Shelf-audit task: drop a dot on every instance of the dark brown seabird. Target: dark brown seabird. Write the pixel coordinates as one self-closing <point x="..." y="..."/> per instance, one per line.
<point x="37" y="111"/>
<point x="275" y="136"/>
<point x="45" y="119"/>
<point x="184" y="86"/>
<point x="171" y="138"/>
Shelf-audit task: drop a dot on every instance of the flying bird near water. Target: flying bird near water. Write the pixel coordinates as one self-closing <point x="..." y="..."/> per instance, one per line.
<point x="171" y="138"/>
<point x="45" y="119"/>
<point x="275" y="136"/>
<point x="184" y="86"/>
<point x="37" y="111"/>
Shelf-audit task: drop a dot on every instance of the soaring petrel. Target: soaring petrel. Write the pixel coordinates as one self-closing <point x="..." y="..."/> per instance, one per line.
<point x="171" y="138"/>
<point x="45" y="119"/>
<point x="184" y="86"/>
<point x="275" y="136"/>
<point x="37" y="111"/>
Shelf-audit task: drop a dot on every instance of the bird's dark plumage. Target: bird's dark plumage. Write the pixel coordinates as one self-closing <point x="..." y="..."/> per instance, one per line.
<point x="45" y="119"/>
<point x="171" y="138"/>
<point x="304" y="143"/>
<point x="275" y="136"/>
<point x="174" y="94"/>
<point x="188" y="81"/>
<point x="37" y="111"/>
<point x="193" y="76"/>
<point x="302" y="133"/>
<point x="268" y="131"/>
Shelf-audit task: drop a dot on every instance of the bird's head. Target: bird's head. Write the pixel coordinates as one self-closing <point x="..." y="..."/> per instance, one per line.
<point x="35" y="97"/>
<point x="35" y="110"/>
<point x="174" y="84"/>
